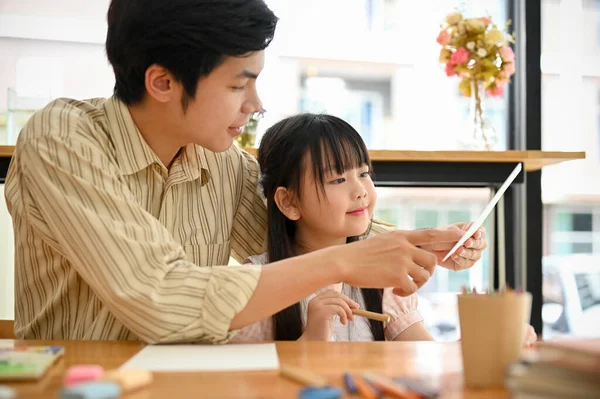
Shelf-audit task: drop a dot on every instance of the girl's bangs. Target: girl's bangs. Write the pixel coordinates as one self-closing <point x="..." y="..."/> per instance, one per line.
<point x="336" y="148"/>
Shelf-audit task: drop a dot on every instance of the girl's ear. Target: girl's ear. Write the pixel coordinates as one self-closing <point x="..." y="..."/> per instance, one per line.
<point x="286" y="202"/>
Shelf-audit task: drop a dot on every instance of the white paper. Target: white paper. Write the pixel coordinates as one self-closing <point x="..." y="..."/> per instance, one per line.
<point x="205" y="358"/>
<point x="477" y="224"/>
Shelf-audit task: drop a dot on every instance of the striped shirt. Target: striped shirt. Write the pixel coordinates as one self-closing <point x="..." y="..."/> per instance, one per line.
<point x="109" y="243"/>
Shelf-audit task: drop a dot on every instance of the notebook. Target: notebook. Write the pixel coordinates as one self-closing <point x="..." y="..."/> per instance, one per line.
<point x="238" y="357"/>
<point x="557" y="369"/>
<point x="574" y="353"/>
<point x="27" y="362"/>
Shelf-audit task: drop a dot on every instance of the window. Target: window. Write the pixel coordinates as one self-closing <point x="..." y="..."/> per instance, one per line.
<point x="591" y="25"/>
<point x="396" y="96"/>
<point x="413" y="208"/>
<point x="566" y="221"/>
<point x="364" y="104"/>
<point x="426" y="218"/>
<point x="573" y="229"/>
<point x="571" y="191"/>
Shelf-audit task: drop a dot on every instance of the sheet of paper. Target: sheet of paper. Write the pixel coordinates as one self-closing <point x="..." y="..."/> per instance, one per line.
<point x="205" y="358"/>
<point x="477" y="224"/>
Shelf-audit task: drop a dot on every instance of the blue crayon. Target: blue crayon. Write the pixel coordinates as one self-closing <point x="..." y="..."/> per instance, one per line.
<point x="349" y="382"/>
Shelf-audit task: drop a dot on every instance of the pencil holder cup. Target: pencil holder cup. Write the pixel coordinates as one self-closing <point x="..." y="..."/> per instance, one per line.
<point x="493" y="327"/>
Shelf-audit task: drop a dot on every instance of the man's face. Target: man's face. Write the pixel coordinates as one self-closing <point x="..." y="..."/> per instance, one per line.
<point x="224" y="102"/>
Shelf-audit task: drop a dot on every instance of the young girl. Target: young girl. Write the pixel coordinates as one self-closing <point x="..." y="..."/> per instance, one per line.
<point x="316" y="178"/>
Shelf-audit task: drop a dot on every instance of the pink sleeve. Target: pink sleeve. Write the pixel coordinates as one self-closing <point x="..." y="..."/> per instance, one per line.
<point x="260" y="331"/>
<point x="403" y="312"/>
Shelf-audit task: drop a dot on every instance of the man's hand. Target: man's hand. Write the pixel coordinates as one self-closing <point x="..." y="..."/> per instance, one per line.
<point x="392" y="259"/>
<point x="530" y="337"/>
<point x="465" y="256"/>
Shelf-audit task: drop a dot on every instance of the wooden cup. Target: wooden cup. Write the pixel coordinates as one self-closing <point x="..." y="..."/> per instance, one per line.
<point x="492" y="331"/>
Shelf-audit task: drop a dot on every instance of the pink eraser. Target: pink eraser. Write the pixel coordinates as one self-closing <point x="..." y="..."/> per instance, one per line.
<point x="83" y="373"/>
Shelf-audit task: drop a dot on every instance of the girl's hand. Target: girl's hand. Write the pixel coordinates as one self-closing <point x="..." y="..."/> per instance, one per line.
<point x="465" y="256"/>
<point x="322" y="311"/>
<point x="530" y="336"/>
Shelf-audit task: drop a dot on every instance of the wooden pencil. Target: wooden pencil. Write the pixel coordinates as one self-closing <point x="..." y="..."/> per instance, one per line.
<point x="364" y="389"/>
<point x="371" y="315"/>
<point x="302" y="376"/>
<point x="390" y="387"/>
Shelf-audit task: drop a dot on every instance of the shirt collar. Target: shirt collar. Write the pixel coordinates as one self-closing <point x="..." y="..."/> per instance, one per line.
<point x="134" y="154"/>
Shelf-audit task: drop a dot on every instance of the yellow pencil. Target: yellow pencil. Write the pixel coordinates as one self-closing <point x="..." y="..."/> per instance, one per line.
<point x="302" y="376"/>
<point x="371" y="315"/>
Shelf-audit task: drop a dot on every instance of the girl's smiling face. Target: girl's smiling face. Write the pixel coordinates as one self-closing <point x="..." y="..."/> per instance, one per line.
<point x="339" y="208"/>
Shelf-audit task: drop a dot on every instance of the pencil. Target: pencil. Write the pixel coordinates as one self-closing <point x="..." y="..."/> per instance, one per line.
<point x="349" y="382"/>
<point x="302" y="376"/>
<point x="371" y="315"/>
<point x="390" y="387"/>
<point x="365" y="390"/>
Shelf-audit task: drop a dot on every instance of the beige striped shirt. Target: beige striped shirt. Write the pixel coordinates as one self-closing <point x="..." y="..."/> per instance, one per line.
<point x="108" y="242"/>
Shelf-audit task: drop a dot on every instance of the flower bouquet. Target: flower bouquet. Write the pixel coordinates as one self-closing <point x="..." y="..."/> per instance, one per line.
<point x="479" y="54"/>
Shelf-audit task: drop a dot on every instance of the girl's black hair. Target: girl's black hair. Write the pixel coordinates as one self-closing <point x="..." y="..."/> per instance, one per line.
<point x="332" y="144"/>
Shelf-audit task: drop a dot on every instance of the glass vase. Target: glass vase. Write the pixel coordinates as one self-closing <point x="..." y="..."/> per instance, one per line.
<point x="479" y="132"/>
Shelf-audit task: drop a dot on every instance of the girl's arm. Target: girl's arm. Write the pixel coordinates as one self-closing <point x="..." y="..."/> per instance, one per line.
<point x="416" y="332"/>
<point x="406" y="322"/>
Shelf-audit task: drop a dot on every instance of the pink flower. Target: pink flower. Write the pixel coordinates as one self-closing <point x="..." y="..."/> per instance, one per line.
<point x="495" y="92"/>
<point x="501" y="82"/>
<point x="506" y="53"/>
<point x="444" y="37"/>
<point x="486" y="20"/>
<point x="460" y="56"/>
<point x="508" y="68"/>
<point x="450" y="69"/>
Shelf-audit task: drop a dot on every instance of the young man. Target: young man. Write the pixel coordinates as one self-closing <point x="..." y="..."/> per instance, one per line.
<point x="117" y="203"/>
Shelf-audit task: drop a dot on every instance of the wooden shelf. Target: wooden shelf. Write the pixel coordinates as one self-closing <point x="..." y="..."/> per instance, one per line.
<point x="6" y="150"/>
<point x="532" y="160"/>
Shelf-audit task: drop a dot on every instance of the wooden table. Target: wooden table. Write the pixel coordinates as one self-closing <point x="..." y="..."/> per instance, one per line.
<point x="438" y="363"/>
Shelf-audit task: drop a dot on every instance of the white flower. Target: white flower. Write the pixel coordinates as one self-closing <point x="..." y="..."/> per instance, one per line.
<point x="481" y="52"/>
<point x="454" y="18"/>
<point x="471" y="46"/>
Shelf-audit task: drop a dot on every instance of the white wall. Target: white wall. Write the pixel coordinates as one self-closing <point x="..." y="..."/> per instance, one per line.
<point x="570" y="103"/>
<point x="94" y="9"/>
<point x="55" y="48"/>
<point x="6" y="262"/>
<point x="82" y="70"/>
